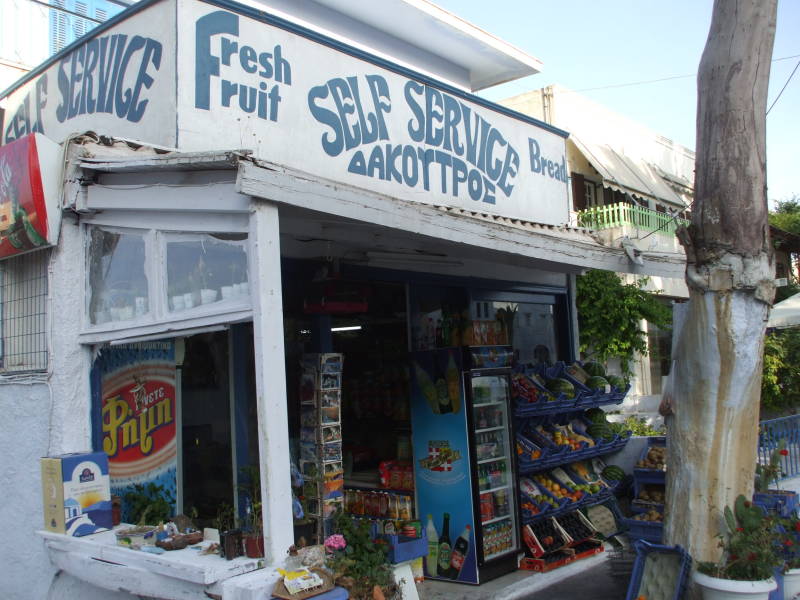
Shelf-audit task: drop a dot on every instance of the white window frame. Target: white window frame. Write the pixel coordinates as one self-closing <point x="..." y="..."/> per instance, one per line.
<point x="159" y="321"/>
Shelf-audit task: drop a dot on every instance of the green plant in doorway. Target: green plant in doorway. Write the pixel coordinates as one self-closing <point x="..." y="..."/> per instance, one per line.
<point x="610" y="313"/>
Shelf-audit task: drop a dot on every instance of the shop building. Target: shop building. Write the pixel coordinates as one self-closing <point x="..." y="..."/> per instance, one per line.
<point x="237" y="188"/>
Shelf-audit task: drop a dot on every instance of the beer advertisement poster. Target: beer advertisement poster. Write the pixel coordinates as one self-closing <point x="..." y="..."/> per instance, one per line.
<point x="441" y="464"/>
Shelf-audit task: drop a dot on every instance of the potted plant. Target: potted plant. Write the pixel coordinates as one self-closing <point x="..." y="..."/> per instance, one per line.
<point x="789" y="539"/>
<point x="230" y="537"/>
<point x="360" y="563"/>
<point x="774" y="499"/>
<point x="254" y="527"/>
<point x="749" y="558"/>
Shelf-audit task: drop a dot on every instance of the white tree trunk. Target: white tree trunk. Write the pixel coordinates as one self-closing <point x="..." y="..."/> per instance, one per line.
<point x="716" y="381"/>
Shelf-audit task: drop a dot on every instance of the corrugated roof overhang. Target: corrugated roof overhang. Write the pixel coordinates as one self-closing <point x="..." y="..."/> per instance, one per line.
<point x="627" y="175"/>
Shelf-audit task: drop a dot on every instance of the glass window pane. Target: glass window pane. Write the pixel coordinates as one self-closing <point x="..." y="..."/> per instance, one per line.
<point x="531" y="331"/>
<point x="206" y="269"/>
<point x="118" y="289"/>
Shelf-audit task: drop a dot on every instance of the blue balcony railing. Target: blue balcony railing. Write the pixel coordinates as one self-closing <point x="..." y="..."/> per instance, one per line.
<point x="770" y="434"/>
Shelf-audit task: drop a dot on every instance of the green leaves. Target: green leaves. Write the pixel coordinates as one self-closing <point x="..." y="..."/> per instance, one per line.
<point x="610" y="314"/>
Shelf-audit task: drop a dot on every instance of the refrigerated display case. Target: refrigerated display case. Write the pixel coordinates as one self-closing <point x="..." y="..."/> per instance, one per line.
<point x="464" y="464"/>
<point x="488" y="397"/>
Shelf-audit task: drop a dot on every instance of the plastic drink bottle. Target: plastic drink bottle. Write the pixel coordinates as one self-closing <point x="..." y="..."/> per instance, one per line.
<point x="433" y="548"/>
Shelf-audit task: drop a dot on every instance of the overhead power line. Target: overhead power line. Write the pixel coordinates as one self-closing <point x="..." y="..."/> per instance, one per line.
<point x="647" y="81"/>
<point x="784" y="86"/>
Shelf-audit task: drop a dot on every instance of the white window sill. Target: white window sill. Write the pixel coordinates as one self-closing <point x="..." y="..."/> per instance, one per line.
<point x="98" y="560"/>
<point x="173" y="325"/>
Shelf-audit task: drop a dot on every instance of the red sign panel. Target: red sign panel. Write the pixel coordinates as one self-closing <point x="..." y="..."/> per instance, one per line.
<point x="23" y="215"/>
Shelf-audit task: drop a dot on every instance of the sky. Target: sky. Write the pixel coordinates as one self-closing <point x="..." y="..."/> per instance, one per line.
<point x="595" y="47"/>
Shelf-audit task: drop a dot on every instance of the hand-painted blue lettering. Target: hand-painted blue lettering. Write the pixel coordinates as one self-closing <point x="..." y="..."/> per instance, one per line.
<point x="434" y="112"/>
<point x="332" y="141"/>
<point x="248" y="59"/>
<point x="393" y="153"/>
<point x="88" y="102"/>
<point x="93" y="78"/>
<point x="376" y="166"/>
<point x="152" y="55"/>
<point x="123" y="97"/>
<point x="207" y="64"/>
<point x="75" y="76"/>
<point x="410" y="166"/>
<point x="544" y="165"/>
<point x="452" y="117"/>
<point x="416" y="126"/>
<point x="381" y="102"/>
<point x="252" y="99"/>
<point x="357" y="165"/>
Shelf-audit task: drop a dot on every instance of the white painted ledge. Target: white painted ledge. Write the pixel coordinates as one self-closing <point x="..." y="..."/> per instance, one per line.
<point x="177" y="574"/>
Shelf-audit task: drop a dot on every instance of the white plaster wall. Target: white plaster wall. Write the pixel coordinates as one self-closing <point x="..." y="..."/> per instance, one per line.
<point x="26" y="569"/>
<point x="45" y="414"/>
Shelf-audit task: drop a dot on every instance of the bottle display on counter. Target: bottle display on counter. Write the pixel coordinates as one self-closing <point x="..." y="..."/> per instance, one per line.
<point x="431" y="563"/>
<point x="443" y="559"/>
<point x="459" y="554"/>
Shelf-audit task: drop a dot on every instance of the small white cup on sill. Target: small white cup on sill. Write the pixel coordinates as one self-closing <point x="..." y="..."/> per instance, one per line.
<point x="208" y="295"/>
<point x="178" y="303"/>
<point x="101" y="317"/>
<point x="126" y="313"/>
<point x="115" y="313"/>
<point x="228" y="291"/>
<point x="244" y="288"/>
<point x="188" y="300"/>
<point x="141" y="305"/>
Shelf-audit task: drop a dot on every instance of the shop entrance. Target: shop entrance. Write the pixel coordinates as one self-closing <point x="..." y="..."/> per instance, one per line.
<point x="219" y="424"/>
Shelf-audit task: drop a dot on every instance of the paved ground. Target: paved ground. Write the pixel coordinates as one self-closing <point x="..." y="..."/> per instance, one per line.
<point x="589" y="578"/>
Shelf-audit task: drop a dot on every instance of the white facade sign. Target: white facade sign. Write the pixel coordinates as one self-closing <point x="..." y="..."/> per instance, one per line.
<point x="120" y="82"/>
<point x="296" y="101"/>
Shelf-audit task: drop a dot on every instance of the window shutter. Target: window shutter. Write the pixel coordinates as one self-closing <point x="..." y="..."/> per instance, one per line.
<point x="578" y="192"/>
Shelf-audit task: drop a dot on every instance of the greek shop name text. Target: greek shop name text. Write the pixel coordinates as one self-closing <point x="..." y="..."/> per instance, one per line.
<point x="458" y="149"/>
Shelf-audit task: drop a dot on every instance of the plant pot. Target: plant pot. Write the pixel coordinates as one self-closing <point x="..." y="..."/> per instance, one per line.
<point x="714" y="588"/>
<point x="230" y="543"/>
<point x="254" y="545"/>
<point x="791" y="584"/>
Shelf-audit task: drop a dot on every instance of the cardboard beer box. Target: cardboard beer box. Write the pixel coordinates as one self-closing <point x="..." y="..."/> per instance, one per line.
<point x="76" y="494"/>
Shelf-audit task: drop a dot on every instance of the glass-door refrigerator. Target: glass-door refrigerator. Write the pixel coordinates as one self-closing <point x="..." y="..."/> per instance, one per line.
<point x="487" y="379"/>
<point x="464" y="466"/>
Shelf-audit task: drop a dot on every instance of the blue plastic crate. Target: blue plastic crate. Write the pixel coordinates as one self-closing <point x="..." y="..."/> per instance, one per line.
<point x="650" y="475"/>
<point x="659" y="571"/>
<point x="780" y="502"/>
<point x="403" y="548"/>
<point x="644" y="530"/>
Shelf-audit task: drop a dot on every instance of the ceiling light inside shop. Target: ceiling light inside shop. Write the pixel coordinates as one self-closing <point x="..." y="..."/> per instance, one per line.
<point x="348" y="328"/>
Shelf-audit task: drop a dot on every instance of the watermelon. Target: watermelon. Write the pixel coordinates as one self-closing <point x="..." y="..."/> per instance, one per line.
<point x="558" y="386"/>
<point x="595" y="369"/>
<point x="596" y="415"/>
<point x="596" y="383"/>
<point x="613" y="473"/>
<point x="617" y="382"/>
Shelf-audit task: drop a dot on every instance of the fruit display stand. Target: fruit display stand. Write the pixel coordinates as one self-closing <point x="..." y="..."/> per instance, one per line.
<point x="555" y="542"/>
<point x="555" y="428"/>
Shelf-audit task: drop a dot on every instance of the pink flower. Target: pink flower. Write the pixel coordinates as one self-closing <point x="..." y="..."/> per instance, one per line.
<point x="335" y="542"/>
